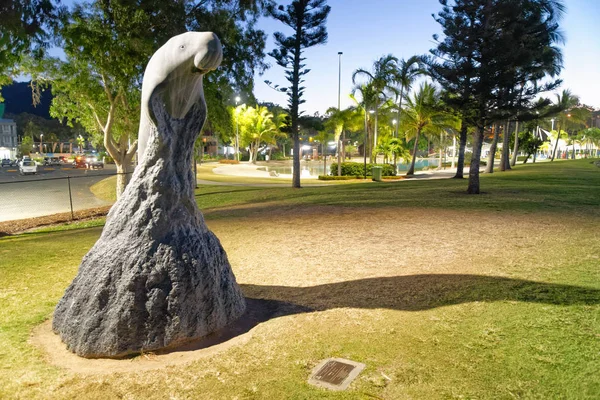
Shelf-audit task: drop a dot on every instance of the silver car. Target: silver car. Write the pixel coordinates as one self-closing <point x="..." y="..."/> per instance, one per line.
<point x="28" y="167"/>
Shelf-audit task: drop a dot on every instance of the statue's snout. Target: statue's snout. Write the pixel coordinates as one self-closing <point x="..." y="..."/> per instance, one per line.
<point x="210" y="55"/>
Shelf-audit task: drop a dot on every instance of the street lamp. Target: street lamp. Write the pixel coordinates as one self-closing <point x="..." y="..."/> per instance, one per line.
<point x="237" y="132"/>
<point x="339" y="144"/>
<point x="41" y="143"/>
<point x="339" y="77"/>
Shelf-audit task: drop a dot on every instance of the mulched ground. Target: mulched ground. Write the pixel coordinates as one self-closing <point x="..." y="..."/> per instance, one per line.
<point x="21" y="225"/>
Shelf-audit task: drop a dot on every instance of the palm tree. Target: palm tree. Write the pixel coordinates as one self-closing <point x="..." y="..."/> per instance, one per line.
<point x="577" y="120"/>
<point x="323" y="137"/>
<point x="339" y="122"/>
<point x="257" y="126"/>
<point x="564" y="102"/>
<point x="406" y="73"/>
<point x="591" y="138"/>
<point x="368" y="100"/>
<point x="423" y="114"/>
<point x="394" y="148"/>
<point x="382" y="80"/>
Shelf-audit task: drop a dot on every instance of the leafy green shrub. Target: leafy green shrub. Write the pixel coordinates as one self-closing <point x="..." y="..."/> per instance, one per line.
<point x="358" y="169"/>
<point x="337" y="178"/>
<point x="468" y="156"/>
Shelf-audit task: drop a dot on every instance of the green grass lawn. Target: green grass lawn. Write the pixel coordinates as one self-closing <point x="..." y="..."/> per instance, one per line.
<point x="441" y="294"/>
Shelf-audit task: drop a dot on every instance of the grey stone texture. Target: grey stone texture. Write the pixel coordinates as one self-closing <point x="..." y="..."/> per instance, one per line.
<point x="157" y="277"/>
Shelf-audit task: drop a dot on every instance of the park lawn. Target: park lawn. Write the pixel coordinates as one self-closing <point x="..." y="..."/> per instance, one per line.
<point x="105" y="189"/>
<point x="440" y="294"/>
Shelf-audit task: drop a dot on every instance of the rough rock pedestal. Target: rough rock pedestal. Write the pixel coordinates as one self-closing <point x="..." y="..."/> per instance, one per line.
<point x="157" y="277"/>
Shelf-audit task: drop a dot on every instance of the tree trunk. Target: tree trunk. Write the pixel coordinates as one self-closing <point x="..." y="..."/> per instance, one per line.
<point x="411" y="170"/>
<point x="325" y="161"/>
<point x="399" y="112"/>
<point x="504" y="161"/>
<point x="513" y="160"/>
<point x="339" y="158"/>
<point x="441" y="151"/>
<point x="493" y="147"/>
<point x="556" y="144"/>
<point x="374" y="149"/>
<point x="344" y="145"/>
<point x="296" y="163"/>
<point x="124" y="170"/>
<point x="473" y="187"/>
<point x="256" y="148"/>
<point x="460" y="164"/>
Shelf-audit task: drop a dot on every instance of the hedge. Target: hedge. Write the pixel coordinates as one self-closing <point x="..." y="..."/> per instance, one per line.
<point x="337" y="178"/>
<point x="358" y="169"/>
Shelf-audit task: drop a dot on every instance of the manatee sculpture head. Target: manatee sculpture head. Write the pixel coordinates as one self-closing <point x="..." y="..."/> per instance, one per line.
<point x="175" y="73"/>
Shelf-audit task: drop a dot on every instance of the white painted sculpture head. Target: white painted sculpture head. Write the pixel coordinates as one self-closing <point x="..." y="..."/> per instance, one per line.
<point x="175" y="72"/>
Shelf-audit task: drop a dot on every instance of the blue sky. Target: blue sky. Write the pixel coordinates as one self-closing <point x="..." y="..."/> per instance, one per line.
<point x="366" y="30"/>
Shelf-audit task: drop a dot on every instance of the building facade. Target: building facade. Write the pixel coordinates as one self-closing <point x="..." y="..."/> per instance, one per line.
<point x="8" y="139"/>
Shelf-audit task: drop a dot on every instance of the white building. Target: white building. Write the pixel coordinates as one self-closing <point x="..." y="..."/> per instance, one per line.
<point x="8" y="139"/>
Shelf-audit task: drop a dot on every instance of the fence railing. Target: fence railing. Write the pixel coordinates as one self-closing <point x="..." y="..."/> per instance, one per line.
<point x="38" y="197"/>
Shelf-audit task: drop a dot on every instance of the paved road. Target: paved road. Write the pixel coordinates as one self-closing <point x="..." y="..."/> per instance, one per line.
<point x="47" y="192"/>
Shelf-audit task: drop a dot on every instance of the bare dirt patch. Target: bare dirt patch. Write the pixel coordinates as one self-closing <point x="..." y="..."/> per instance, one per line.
<point x="240" y="332"/>
<point x="22" y="225"/>
<point x="319" y="258"/>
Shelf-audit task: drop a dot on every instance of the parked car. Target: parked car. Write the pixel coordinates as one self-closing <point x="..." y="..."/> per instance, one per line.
<point x="94" y="163"/>
<point x="28" y="167"/>
<point x="6" y="162"/>
<point x="52" y="161"/>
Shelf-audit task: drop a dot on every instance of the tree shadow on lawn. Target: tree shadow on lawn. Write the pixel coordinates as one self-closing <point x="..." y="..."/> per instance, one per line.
<point x="405" y="293"/>
<point x="423" y="292"/>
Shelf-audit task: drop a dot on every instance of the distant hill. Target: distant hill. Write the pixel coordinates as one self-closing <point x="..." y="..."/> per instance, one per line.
<point x="18" y="100"/>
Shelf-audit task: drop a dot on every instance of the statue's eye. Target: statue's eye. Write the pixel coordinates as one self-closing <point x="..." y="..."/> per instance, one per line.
<point x="182" y="46"/>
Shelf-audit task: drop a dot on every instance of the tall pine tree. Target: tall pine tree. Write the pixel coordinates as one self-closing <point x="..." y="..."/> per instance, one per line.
<point x="488" y="49"/>
<point x="307" y="18"/>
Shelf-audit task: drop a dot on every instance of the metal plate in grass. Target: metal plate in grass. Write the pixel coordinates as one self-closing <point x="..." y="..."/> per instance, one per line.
<point x="335" y="373"/>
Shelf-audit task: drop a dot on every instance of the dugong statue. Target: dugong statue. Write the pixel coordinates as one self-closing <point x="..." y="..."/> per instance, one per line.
<point x="157" y="277"/>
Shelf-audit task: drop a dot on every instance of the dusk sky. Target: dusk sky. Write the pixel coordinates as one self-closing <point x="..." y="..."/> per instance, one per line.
<point x="364" y="31"/>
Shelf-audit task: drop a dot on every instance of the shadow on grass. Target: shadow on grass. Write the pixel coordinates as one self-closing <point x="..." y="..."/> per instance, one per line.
<point x="405" y="293"/>
<point x="423" y="292"/>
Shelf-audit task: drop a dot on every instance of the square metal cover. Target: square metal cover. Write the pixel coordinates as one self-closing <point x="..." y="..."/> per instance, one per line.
<point x="335" y="373"/>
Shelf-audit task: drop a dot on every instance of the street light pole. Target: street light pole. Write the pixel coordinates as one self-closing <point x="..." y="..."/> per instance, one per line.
<point x="41" y="144"/>
<point x="365" y="143"/>
<point x="339" y="144"/>
<point x="339" y="77"/>
<point x="237" y="133"/>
